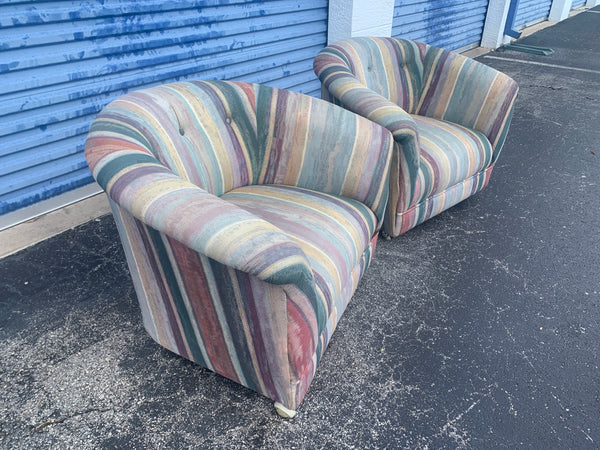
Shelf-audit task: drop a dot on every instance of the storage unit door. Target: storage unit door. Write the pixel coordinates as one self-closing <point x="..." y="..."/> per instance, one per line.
<point x="62" y="61"/>
<point x="450" y="24"/>
<point x="577" y="3"/>
<point x="531" y="12"/>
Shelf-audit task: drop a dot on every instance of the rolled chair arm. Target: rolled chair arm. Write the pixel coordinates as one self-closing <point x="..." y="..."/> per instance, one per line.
<point x="336" y="77"/>
<point x="464" y="91"/>
<point x="151" y="192"/>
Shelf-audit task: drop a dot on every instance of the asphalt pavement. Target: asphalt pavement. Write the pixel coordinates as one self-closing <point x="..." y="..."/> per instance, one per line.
<point x="477" y="329"/>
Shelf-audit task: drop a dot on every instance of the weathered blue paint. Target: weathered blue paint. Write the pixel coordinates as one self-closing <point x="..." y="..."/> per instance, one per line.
<point x="509" y="26"/>
<point x="450" y="24"/>
<point x="62" y="61"/>
<point x="531" y="11"/>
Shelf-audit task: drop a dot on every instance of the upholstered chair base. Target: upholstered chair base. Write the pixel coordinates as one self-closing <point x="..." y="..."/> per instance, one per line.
<point x="438" y="203"/>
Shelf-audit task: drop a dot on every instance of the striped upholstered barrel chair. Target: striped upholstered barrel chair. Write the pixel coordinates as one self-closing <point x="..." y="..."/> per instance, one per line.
<point x="248" y="215"/>
<point x="449" y="116"/>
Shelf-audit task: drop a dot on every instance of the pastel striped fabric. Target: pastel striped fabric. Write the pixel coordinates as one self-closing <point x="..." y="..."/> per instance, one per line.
<point x="248" y="215"/>
<point x="450" y="154"/>
<point x="394" y="82"/>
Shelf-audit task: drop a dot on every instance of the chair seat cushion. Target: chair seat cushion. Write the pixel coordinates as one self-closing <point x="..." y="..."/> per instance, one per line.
<point x="333" y="231"/>
<point x="450" y="153"/>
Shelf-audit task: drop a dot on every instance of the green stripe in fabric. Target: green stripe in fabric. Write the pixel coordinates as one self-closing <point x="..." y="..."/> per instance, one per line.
<point x="263" y="120"/>
<point x="116" y="165"/>
<point x="337" y="53"/>
<point x="235" y="331"/>
<point x="466" y="97"/>
<point x="319" y="349"/>
<point x="119" y="128"/>
<point x="171" y="281"/>
<point x="502" y="137"/>
<point x="242" y="121"/>
<point x="304" y="280"/>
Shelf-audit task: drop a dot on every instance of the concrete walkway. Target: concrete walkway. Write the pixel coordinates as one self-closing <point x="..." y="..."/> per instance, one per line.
<point x="479" y="328"/>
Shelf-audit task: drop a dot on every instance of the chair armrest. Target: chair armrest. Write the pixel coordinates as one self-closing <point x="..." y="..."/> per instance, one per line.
<point x="140" y="184"/>
<point x="338" y="80"/>
<point x="464" y="91"/>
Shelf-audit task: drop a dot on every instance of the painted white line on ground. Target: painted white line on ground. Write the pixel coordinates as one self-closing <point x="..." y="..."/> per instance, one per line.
<point x="535" y="63"/>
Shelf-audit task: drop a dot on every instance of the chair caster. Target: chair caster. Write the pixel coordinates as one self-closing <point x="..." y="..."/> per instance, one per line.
<point x="385" y="236"/>
<point x="285" y="412"/>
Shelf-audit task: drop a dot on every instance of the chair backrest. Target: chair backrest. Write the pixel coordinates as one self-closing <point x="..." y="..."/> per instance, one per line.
<point x="204" y="132"/>
<point x="221" y="135"/>
<point x="391" y="67"/>
<point x="427" y="81"/>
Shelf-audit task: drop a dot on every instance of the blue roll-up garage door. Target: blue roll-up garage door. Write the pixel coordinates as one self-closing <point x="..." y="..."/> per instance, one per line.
<point x="62" y="61"/>
<point x="531" y="12"/>
<point x="450" y="24"/>
<point x="577" y="3"/>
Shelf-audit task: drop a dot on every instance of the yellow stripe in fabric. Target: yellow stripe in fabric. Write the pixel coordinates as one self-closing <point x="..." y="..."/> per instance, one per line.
<point x="448" y="87"/>
<point x="491" y="106"/>
<point x="320" y="257"/>
<point x="358" y="69"/>
<point x="381" y="113"/>
<point x="153" y="192"/>
<point x="316" y="207"/>
<point x="467" y="144"/>
<point x="388" y="70"/>
<point x="220" y="94"/>
<point x="297" y="139"/>
<point x="357" y="160"/>
<point x="156" y="125"/>
<point x="281" y="264"/>
<point x="268" y="144"/>
<point x="237" y="235"/>
<point x="441" y="161"/>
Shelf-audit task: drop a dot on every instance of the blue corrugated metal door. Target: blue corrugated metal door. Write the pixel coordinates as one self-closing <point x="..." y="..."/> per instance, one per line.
<point x="531" y="12"/>
<point x="450" y="24"/>
<point x="577" y="3"/>
<point x="62" y="61"/>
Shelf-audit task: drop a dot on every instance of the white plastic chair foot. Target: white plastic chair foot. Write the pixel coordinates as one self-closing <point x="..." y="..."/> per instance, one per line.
<point x="285" y="412"/>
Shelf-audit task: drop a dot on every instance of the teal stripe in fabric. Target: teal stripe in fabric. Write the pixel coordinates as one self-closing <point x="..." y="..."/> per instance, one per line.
<point x="174" y="288"/>
<point x="239" y="107"/>
<point x="116" y="165"/>
<point x="119" y="129"/>
<point x="234" y="329"/>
